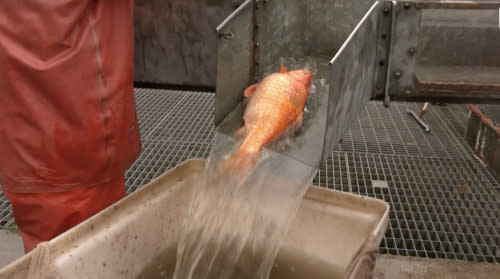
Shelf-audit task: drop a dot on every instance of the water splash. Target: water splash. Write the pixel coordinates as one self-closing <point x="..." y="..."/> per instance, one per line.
<point x="236" y="222"/>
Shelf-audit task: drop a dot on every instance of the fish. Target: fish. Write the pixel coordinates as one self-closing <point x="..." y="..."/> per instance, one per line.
<point x="275" y="107"/>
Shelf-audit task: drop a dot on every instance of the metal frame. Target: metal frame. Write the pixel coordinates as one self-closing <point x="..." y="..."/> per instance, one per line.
<point x="376" y="61"/>
<point x="401" y="79"/>
<point x="387" y="17"/>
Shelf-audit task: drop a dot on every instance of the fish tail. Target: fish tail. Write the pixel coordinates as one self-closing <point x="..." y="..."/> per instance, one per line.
<point x="240" y="162"/>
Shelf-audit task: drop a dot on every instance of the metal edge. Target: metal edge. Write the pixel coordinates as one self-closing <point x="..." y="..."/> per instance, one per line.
<point x="384" y="217"/>
<point x="384" y="223"/>
<point x="348" y="41"/>
<point x="452" y="4"/>
<point x="485" y="119"/>
<point x="232" y="15"/>
<point x="387" y="85"/>
<point x="344" y="45"/>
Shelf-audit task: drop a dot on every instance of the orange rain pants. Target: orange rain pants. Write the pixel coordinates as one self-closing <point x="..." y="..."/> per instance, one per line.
<point x="68" y="125"/>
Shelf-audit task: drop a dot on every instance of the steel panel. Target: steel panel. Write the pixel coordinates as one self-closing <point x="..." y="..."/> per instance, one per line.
<point x="234" y="59"/>
<point x="175" y="40"/>
<point x="445" y="51"/>
<point x="352" y="78"/>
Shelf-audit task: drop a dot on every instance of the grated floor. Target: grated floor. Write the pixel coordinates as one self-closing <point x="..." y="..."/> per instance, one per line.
<point x="444" y="202"/>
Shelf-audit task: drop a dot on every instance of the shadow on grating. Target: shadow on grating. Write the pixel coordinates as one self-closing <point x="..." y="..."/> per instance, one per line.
<point x="443" y="202"/>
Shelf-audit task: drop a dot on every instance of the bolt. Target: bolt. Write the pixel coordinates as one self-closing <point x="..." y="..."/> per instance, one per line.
<point x="384" y="36"/>
<point x="411" y="51"/>
<point x="381" y="62"/>
<point x="397" y="74"/>
<point x="407" y="6"/>
<point x="386" y="10"/>
<point x="257" y="44"/>
<point x="408" y="91"/>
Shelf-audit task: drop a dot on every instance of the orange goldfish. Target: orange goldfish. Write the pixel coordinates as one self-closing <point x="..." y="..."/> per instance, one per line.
<point x="275" y="106"/>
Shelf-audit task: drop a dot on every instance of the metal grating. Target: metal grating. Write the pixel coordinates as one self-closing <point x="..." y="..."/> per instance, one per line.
<point x="392" y="131"/>
<point x="6" y="217"/>
<point x="181" y="129"/>
<point x="439" y="207"/>
<point x="443" y="201"/>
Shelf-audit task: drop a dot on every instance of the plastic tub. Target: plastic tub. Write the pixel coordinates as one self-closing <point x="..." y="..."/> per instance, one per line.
<point x="333" y="235"/>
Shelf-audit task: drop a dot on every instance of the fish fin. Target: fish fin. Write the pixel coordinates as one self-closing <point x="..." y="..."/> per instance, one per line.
<point x="250" y="90"/>
<point x="239" y="162"/>
<point x="241" y="132"/>
<point x="282" y="68"/>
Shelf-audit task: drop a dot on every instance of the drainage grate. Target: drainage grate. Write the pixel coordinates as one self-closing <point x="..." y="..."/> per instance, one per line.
<point x="439" y="207"/>
<point x="160" y="156"/>
<point x="153" y="107"/>
<point x="191" y="120"/>
<point x="392" y="131"/>
<point x="443" y="201"/>
<point x="6" y="218"/>
<point x="182" y="129"/>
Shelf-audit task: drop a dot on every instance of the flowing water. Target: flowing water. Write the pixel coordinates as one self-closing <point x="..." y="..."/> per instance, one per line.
<point x="236" y="221"/>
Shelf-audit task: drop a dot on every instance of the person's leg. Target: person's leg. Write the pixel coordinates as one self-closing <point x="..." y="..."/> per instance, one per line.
<point x="43" y="216"/>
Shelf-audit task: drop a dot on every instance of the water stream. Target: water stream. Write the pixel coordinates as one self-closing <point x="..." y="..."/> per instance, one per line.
<point x="235" y="222"/>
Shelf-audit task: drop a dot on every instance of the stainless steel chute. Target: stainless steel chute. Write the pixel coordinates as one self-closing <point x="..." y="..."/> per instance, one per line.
<point x="400" y="50"/>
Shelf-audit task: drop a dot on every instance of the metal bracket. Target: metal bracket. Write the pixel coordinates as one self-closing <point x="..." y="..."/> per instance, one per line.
<point x="383" y="51"/>
<point x="257" y="19"/>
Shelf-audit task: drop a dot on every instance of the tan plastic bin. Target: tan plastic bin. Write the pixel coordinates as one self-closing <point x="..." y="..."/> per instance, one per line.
<point x="334" y="235"/>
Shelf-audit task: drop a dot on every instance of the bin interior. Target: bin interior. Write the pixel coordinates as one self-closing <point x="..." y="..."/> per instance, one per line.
<point x="137" y="237"/>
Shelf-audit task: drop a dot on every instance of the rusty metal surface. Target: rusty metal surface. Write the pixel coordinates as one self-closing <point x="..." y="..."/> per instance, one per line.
<point x="448" y="52"/>
<point x="476" y="4"/>
<point x="485" y="119"/>
<point x="493" y="112"/>
<point x="483" y="135"/>
<point x="175" y="40"/>
<point x="352" y="78"/>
